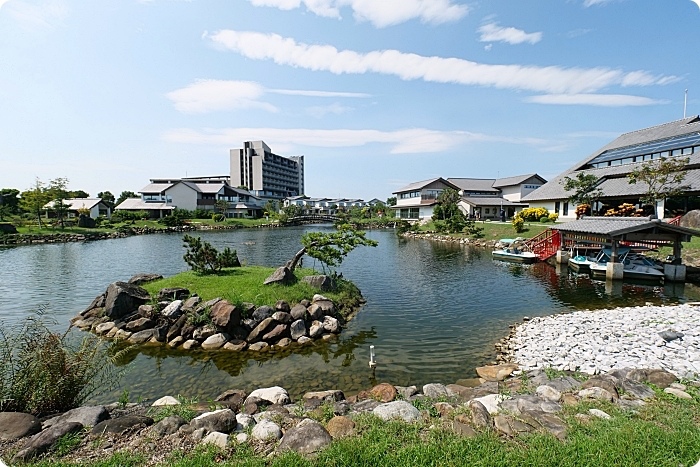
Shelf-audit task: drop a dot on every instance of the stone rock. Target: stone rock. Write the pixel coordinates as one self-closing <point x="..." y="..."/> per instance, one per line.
<point x="173" y="293"/>
<point x="340" y="427"/>
<point x="266" y="430"/>
<point x="274" y="395"/>
<point x="14" y="425"/>
<point x="222" y="420"/>
<point x="242" y="438"/>
<point x="638" y="390"/>
<point x="307" y="437"/>
<point x="143" y="278"/>
<point x="174" y="330"/>
<point x="165" y="401"/>
<point x="325" y="303"/>
<point x="548" y="393"/>
<point x="282" y="316"/>
<point x="276" y="333"/>
<point x="316" y="329"/>
<point x="599" y="413"/>
<point x="297" y="329"/>
<point x="661" y="378"/>
<point x="191" y="303"/>
<point x="141" y="337"/>
<point x="444" y="409"/>
<point x="244" y="422"/>
<point x="549" y="422"/>
<point x="123" y="298"/>
<point x="139" y="324"/>
<point x="406" y="392"/>
<point x="198" y="434"/>
<point x="304" y="340"/>
<point x="258" y="346"/>
<point x="233" y="398"/>
<point x="282" y="306"/>
<point x="496" y="372"/>
<point x="367" y="405"/>
<point x="480" y="416"/>
<point x="104" y="328"/>
<point x="215" y="342"/>
<point x="121" y="424"/>
<point x="397" y="410"/>
<point x="97" y="302"/>
<point x="190" y="344"/>
<point x="284" y="342"/>
<point x="383" y="392"/>
<point x="602" y="382"/>
<point x="219" y="440"/>
<point x="596" y="393"/>
<point x="86" y="416"/>
<point x="462" y="429"/>
<point x="638" y="375"/>
<point x="298" y="311"/>
<point x="331" y="324"/>
<point x="563" y="383"/>
<point x="44" y="440"/>
<point x="225" y="315"/>
<point x="282" y="275"/>
<point x="678" y="393"/>
<point x="176" y="341"/>
<point x="436" y="390"/>
<point x="502" y="424"/>
<point x="235" y="345"/>
<point x="332" y="395"/>
<point x="8" y="228"/>
<point x="168" y="425"/>
<point x="260" y="330"/>
<point x="491" y="402"/>
<point x="321" y="282"/>
<point x="315" y="312"/>
<point x="203" y="333"/>
<point x="173" y="310"/>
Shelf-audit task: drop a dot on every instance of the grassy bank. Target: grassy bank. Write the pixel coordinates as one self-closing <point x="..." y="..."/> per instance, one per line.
<point x="664" y="432"/>
<point x="245" y="284"/>
<point x="496" y="230"/>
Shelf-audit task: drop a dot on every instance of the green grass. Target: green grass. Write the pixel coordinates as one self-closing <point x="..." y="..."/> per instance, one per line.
<point x="497" y="230"/>
<point x="245" y="284"/>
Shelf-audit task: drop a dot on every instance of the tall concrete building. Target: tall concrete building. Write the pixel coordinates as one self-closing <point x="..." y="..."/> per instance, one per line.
<point x="265" y="174"/>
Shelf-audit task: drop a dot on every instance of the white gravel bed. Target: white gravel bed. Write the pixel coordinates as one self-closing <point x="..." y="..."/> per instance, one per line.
<point x="596" y="341"/>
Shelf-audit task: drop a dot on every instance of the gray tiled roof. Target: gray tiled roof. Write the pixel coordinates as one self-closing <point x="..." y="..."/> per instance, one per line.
<point x="139" y="205"/>
<point x="613" y="226"/>
<point x="554" y="188"/>
<point x="475" y="184"/>
<point x="155" y="187"/>
<point x="516" y="180"/>
<point x="418" y="185"/>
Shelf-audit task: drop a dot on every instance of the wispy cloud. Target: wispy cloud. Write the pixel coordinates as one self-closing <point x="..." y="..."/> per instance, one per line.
<point x="333" y="109"/>
<point x="492" y="32"/>
<point x="380" y="13"/>
<point x="403" y="141"/>
<point x="599" y="100"/>
<point x="37" y="16"/>
<point x="409" y="66"/>
<point x="588" y="3"/>
<point x="211" y="95"/>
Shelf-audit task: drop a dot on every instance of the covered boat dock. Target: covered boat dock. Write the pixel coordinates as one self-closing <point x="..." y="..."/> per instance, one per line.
<point x="632" y="232"/>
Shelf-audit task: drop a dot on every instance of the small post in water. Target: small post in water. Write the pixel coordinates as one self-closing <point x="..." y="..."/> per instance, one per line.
<point x="372" y="361"/>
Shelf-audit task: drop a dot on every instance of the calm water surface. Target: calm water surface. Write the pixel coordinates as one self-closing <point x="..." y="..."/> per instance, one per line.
<point x="433" y="310"/>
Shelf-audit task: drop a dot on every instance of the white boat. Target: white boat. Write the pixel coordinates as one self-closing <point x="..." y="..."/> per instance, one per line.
<point x="514" y="254"/>
<point x="581" y="263"/>
<point x="635" y="267"/>
<point x="599" y="266"/>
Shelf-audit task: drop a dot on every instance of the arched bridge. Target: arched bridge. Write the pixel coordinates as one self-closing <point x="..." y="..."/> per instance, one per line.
<point x="312" y="219"/>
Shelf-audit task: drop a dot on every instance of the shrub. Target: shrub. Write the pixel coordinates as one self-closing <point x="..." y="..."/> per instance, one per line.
<point x="177" y="218"/>
<point x="544" y="219"/>
<point x="518" y="224"/>
<point x="44" y="372"/>
<point x="553" y="216"/>
<point x="533" y="214"/>
<point x="218" y="217"/>
<point x="205" y="259"/>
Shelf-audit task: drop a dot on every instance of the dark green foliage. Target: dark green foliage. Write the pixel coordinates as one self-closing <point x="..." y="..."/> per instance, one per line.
<point x="107" y="198"/>
<point x="448" y="217"/>
<point x="177" y="218"/>
<point x="205" y="259"/>
<point x="331" y="248"/>
<point x="125" y="195"/>
<point x="584" y="187"/>
<point x="663" y="178"/>
<point x="43" y="372"/>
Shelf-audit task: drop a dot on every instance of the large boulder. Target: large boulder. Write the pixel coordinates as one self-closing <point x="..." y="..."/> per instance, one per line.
<point x="123" y="298"/>
<point x="225" y="315"/>
<point x="223" y="421"/>
<point x="121" y="424"/>
<point x="260" y="330"/>
<point x="14" y="425"/>
<point x="274" y="395"/>
<point x="262" y="312"/>
<point x="691" y="219"/>
<point x="321" y="282"/>
<point x="297" y="329"/>
<point x="142" y="278"/>
<point x="282" y="275"/>
<point x="86" y="416"/>
<point x="173" y="293"/>
<point x="401" y="410"/>
<point x="307" y="437"/>
<point x="43" y="441"/>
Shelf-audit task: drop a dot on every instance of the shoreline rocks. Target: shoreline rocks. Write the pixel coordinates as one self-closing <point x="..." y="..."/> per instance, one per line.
<point x="182" y="320"/>
<point x="598" y="341"/>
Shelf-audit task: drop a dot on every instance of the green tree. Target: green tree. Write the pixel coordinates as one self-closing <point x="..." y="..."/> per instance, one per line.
<point x="663" y="178"/>
<point x="78" y="194"/>
<point x="271" y="208"/>
<point x="221" y="206"/>
<point x="203" y="258"/>
<point x="125" y="195"/>
<point x="331" y="248"/>
<point x="107" y="198"/>
<point x="58" y="193"/>
<point x="391" y="201"/>
<point x="34" y="199"/>
<point x="178" y="217"/>
<point x="584" y="187"/>
<point x="447" y="215"/>
<point x="9" y="198"/>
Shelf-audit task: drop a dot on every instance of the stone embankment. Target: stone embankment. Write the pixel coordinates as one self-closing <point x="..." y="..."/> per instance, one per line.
<point x="596" y="341"/>
<point x="121" y="232"/>
<point x="177" y="319"/>
<point x="480" y="242"/>
<point x="270" y="422"/>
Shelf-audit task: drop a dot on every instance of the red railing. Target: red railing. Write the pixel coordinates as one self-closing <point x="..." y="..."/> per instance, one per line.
<point x="675" y="221"/>
<point x="545" y="244"/>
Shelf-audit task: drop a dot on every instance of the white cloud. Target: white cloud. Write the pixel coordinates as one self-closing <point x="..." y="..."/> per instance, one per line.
<point x="404" y="141"/>
<point x="599" y="100"/>
<point x="295" y="92"/>
<point x="588" y="3"/>
<point x="381" y="13"/>
<point x="492" y="32"/>
<point x="211" y="95"/>
<point x="322" y="111"/>
<point x="38" y="16"/>
<point x="408" y="66"/>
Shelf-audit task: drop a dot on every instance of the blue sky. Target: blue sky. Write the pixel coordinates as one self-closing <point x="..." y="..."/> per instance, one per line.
<point x="375" y="93"/>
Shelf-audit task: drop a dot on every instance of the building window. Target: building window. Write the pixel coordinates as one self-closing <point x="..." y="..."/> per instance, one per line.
<point x="557" y="205"/>
<point x="566" y="209"/>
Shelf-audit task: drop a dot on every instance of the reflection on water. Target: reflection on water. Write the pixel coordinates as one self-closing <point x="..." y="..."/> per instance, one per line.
<point x="433" y="312"/>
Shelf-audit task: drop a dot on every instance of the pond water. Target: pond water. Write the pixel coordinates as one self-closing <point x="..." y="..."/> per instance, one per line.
<point x="433" y="312"/>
